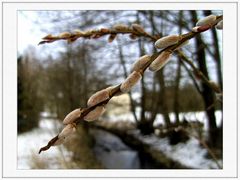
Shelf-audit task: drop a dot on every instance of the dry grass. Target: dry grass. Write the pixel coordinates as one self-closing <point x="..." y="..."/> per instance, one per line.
<point x="81" y="144"/>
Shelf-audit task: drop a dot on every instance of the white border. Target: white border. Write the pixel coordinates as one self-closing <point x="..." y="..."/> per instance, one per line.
<point x="10" y="89"/>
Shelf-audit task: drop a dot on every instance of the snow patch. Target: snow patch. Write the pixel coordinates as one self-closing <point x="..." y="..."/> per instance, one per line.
<point x="190" y="153"/>
<point x="29" y="144"/>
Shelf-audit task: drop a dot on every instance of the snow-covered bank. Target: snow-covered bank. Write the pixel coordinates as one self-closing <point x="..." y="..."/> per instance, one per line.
<point x="190" y="153"/>
<point x="29" y="144"/>
<point x="108" y="148"/>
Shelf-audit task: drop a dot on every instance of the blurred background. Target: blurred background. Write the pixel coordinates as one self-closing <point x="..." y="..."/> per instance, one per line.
<point x="170" y="120"/>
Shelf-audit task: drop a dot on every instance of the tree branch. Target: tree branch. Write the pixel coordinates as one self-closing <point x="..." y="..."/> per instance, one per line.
<point x="98" y="33"/>
<point x="198" y="73"/>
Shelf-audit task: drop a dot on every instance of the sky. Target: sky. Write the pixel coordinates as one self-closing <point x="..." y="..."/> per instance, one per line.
<point x="30" y="33"/>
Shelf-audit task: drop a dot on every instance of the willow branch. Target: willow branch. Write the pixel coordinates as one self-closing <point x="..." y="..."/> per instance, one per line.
<point x="95" y="34"/>
<point x="191" y="76"/>
<point x="116" y="90"/>
<point x="198" y="73"/>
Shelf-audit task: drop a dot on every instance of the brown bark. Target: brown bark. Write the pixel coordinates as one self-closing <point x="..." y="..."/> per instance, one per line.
<point x="161" y="100"/>
<point x="216" y="52"/>
<point x="207" y="93"/>
<point x="70" y="81"/>
<point x="178" y="78"/>
<point x="145" y="125"/>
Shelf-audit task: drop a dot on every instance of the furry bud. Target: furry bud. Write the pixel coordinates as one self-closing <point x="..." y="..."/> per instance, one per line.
<point x="104" y="30"/>
<point x="87" y="33"/>
<point x="219" y="25"/>
<point x="133" y="36"/>
<point x="195" y="29"/>
<point x="49" y="36"/>
<point x="72" y="116"/>
<point x="68" y="130"/>
<point x="131" y="81"/>
<point x="98" y="97"/>
<point x="160" y="61"/>
<point x="78" y="32"/>
<point x="95" y="36"/>
<point x="138" y="28"/>
<point x="95" y="114"/>
<point x="140" y="63"/>
<point x="167" y="41"/>
<point x="64" y="35"/>
<point x="109" y="89"/>
<point x="209" y="20"/>
<point x="120" y="27"/>
<point x="112" y="37"/>
<point x="59" y="141"/>
<point x="215" y="87"/>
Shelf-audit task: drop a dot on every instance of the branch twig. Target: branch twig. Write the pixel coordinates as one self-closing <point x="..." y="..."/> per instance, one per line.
<point x="198" y="73"/>
<point x="98" y="33"/>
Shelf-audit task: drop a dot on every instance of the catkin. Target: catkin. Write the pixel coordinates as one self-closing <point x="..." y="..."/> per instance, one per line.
<point x="140" y="63"/>
<point x="209" y="20"/>
<point x="131" y="81"/>
<point x="160" y="61"/>
<point x="109" y="89"/>
<point x="104" y="30"/>
<point x="195" y="29"/>
<point x="120" y="27"/>
<point x="138" y="28"/>
<point x="59" y="141"/>
<point x="215" y="87"/>
<point x="133" y="36"/>
<point x="98" y="97"/>
<point x="167" y="41"/>
<point x="64" y="35"/>
<point x="95" y="113"/>
<point x="112" y="37"/>
<point x="219" y="25"/>
<point x="72" y="116"/>
<point x="79" y="32"/>
<point x="68" y="130"/>
<point x="49" y="36"/>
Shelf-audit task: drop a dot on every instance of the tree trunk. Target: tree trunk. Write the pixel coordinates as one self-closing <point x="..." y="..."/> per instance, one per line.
<point x="176" y="92"/>
<point x="207" y="93"/>
<point x="70" y="80"/>
<point x="216" y="52"/>
<point x="217" y="58"/>
<point x="144" y="125"/>
<point x="161" y="100"/>
<point x="85" y="76"/>
<point x="178" y="77"/>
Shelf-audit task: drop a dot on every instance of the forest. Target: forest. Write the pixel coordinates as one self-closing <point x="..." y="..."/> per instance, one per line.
<point x="85" y="78"/>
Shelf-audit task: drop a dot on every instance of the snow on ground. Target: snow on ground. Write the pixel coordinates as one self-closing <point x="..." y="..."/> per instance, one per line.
<point x="29" y="144"/>
<point x="190" y="153"/>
